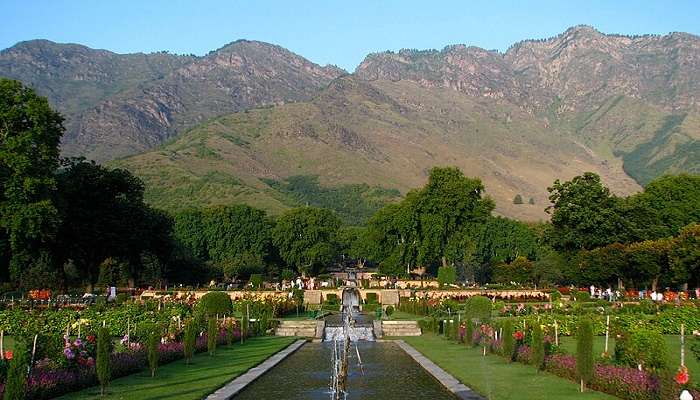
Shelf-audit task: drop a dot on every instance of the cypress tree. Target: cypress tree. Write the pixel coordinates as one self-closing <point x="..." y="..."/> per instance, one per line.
<point x="153" y="341"/>
<point x="189" y="340"/>
<point x="104" y="344"/>
<point x="211" y="336"/>
<point x="537" y="358"/>
<point x="244" y="327"/>
<point x="508" y="342"/>
<point x="230" y="332"/>
<point x="16" y="384"/>
<point x="469" y="333"/>
<point x="584" y="352"/>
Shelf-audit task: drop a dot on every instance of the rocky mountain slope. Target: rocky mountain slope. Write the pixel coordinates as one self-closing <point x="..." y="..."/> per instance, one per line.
<point x="625" y="107"/>
<point x="118" y="105"/>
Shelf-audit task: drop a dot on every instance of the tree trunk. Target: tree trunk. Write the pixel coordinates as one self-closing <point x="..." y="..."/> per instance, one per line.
<point x="654" y="283"/>
<point x="444" y="261"/>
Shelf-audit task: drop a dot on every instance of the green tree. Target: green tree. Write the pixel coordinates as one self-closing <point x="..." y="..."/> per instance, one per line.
<point x="189" y="340"/>
<point x="585" y="215"/>
<point x="478" y="307"/>
<point x="16" y="384"/>
<point x="30" y="133"/>
<point x="647" y="261"/>
<point x="216" y="303"/>
<point x="520" y="270"/>
<point x="602" y="266"/>
<point x="531" y="201"/>
<point x="307" y="238"/>
<point x="584" y="352"/>
<point x="153" y="353"/>
<point x="518" y="199"/>
<point x="508" y="342"/>
<point x="104" y="348"/>
<point x="537" y="357"/>
<point x="666" y="205"/>
<point x="685" y="256"/>
<point x="447" y="275"/>
<point x="212" y="333"/>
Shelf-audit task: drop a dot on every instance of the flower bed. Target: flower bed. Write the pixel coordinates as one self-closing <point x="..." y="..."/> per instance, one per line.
<point x="46" y="382"/>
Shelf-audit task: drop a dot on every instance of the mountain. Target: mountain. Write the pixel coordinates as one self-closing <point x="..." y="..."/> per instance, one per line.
<point x="253" y="123"/>
<point x="381" y="133"/>
<point x="632" y="97"/>
<point x="118" y="105"/>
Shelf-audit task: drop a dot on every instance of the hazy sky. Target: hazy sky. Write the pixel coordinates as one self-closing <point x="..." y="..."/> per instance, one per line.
<point x="336" y="32"/>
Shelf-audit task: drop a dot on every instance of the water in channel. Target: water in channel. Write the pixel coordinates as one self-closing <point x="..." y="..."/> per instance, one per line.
<point x="387" y="373"/>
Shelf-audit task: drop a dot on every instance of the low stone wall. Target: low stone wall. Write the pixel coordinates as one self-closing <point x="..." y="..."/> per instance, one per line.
<point x="401" y="328"/>
<point x="297" y="328"/>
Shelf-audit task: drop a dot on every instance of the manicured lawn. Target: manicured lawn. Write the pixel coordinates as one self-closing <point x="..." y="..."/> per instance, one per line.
<point x="203" y="376"/>
<point x="492" y="377"/>
<point x="673" y="348"/>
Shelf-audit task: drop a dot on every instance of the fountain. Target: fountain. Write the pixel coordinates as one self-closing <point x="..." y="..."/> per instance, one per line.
<point x="342" y="336"/>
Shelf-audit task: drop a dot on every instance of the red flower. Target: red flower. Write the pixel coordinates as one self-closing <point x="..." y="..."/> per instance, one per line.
<point x="91" y="338"/>
<point x="8" y="354"/>
<point x="682" y="377"/>
<point x="518" y="335"/>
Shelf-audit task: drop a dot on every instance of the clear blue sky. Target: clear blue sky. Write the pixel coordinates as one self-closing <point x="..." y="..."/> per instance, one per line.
<point x="337" y="32"/>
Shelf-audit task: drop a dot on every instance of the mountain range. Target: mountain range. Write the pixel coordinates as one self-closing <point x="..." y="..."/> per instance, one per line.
<point x="252" y="122"/>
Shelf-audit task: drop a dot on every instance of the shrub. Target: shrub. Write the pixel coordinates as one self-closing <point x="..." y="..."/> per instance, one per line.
<point x="644" y="347"/>
<point x="518" y="199"/>
<point x="371" y="298"/>
<point x="389" y="310"/>
<point x="211" y="336"/>
<point x="537" y="346"/>
<point x="256" y="280"/>
<point x="230" y="332"/>
<point x="153" y="342"/>
<point x="287" y="275"/>
<point x="582" y="296"/>
<point x="447" y="275"/>
<point x="214" y="303"/>
<point x="332" y="299"/>
<point x="555" y="295"/>
<point x="479" y="307"/>
<point x="104" y="344"/>
<point x="469" y="333"/>
<point x="189" y="340"/>
<point x="584" y="352"/>
<point x="508" y="340"/>
<point x="16" y="385"/>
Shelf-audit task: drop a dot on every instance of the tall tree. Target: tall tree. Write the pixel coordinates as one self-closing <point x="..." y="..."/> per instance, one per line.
<point x="307" y="238"/>
<point x="685" y="256"/>
<point x="30" y="133"/>
<point x="584" y="214"/>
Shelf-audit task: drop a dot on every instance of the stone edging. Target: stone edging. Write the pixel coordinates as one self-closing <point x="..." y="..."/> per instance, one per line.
<point x="447" y="380"/>
<point x="235" y="386"/>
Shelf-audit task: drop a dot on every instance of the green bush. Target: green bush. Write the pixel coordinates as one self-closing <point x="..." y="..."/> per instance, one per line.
<point x="584" y="352"/>
<point x="389" y="310"/>
<point x="121" y="298"/>
<point x="216" y="303"/>
<point x="211" y="336"/>
<point x="104" y="348"/>
<point x="644" y="347"/>
<point x="469" y="333"/>
<point x="256" y="280"/>
<point x="555" y="295"/>
<point x="582" y="296"/>
<point x="371" y="298"/>
<point x="189" y="340"/>
<point x="447" y="275"/>
<point x="508" y="341"/>
<point x="153" y="341"/>
<point x="16" y="384"/>
<point x="332" y="299"/>
<point x="537" y="345"/>
<point x="478" y="307"/>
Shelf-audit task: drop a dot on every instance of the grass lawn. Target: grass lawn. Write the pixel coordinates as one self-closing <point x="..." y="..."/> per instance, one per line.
<point x="492" y="377"/>
<point x="203" y="376"/>
<point x="673" y="348"/>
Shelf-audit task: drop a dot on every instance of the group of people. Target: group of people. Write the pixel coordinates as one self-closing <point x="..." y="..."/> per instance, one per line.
<point x="607" y="294"/>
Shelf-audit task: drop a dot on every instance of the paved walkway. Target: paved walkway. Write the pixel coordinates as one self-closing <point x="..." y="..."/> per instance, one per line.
<point x="232" y="388"/>
<point x="447" y="380"/>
